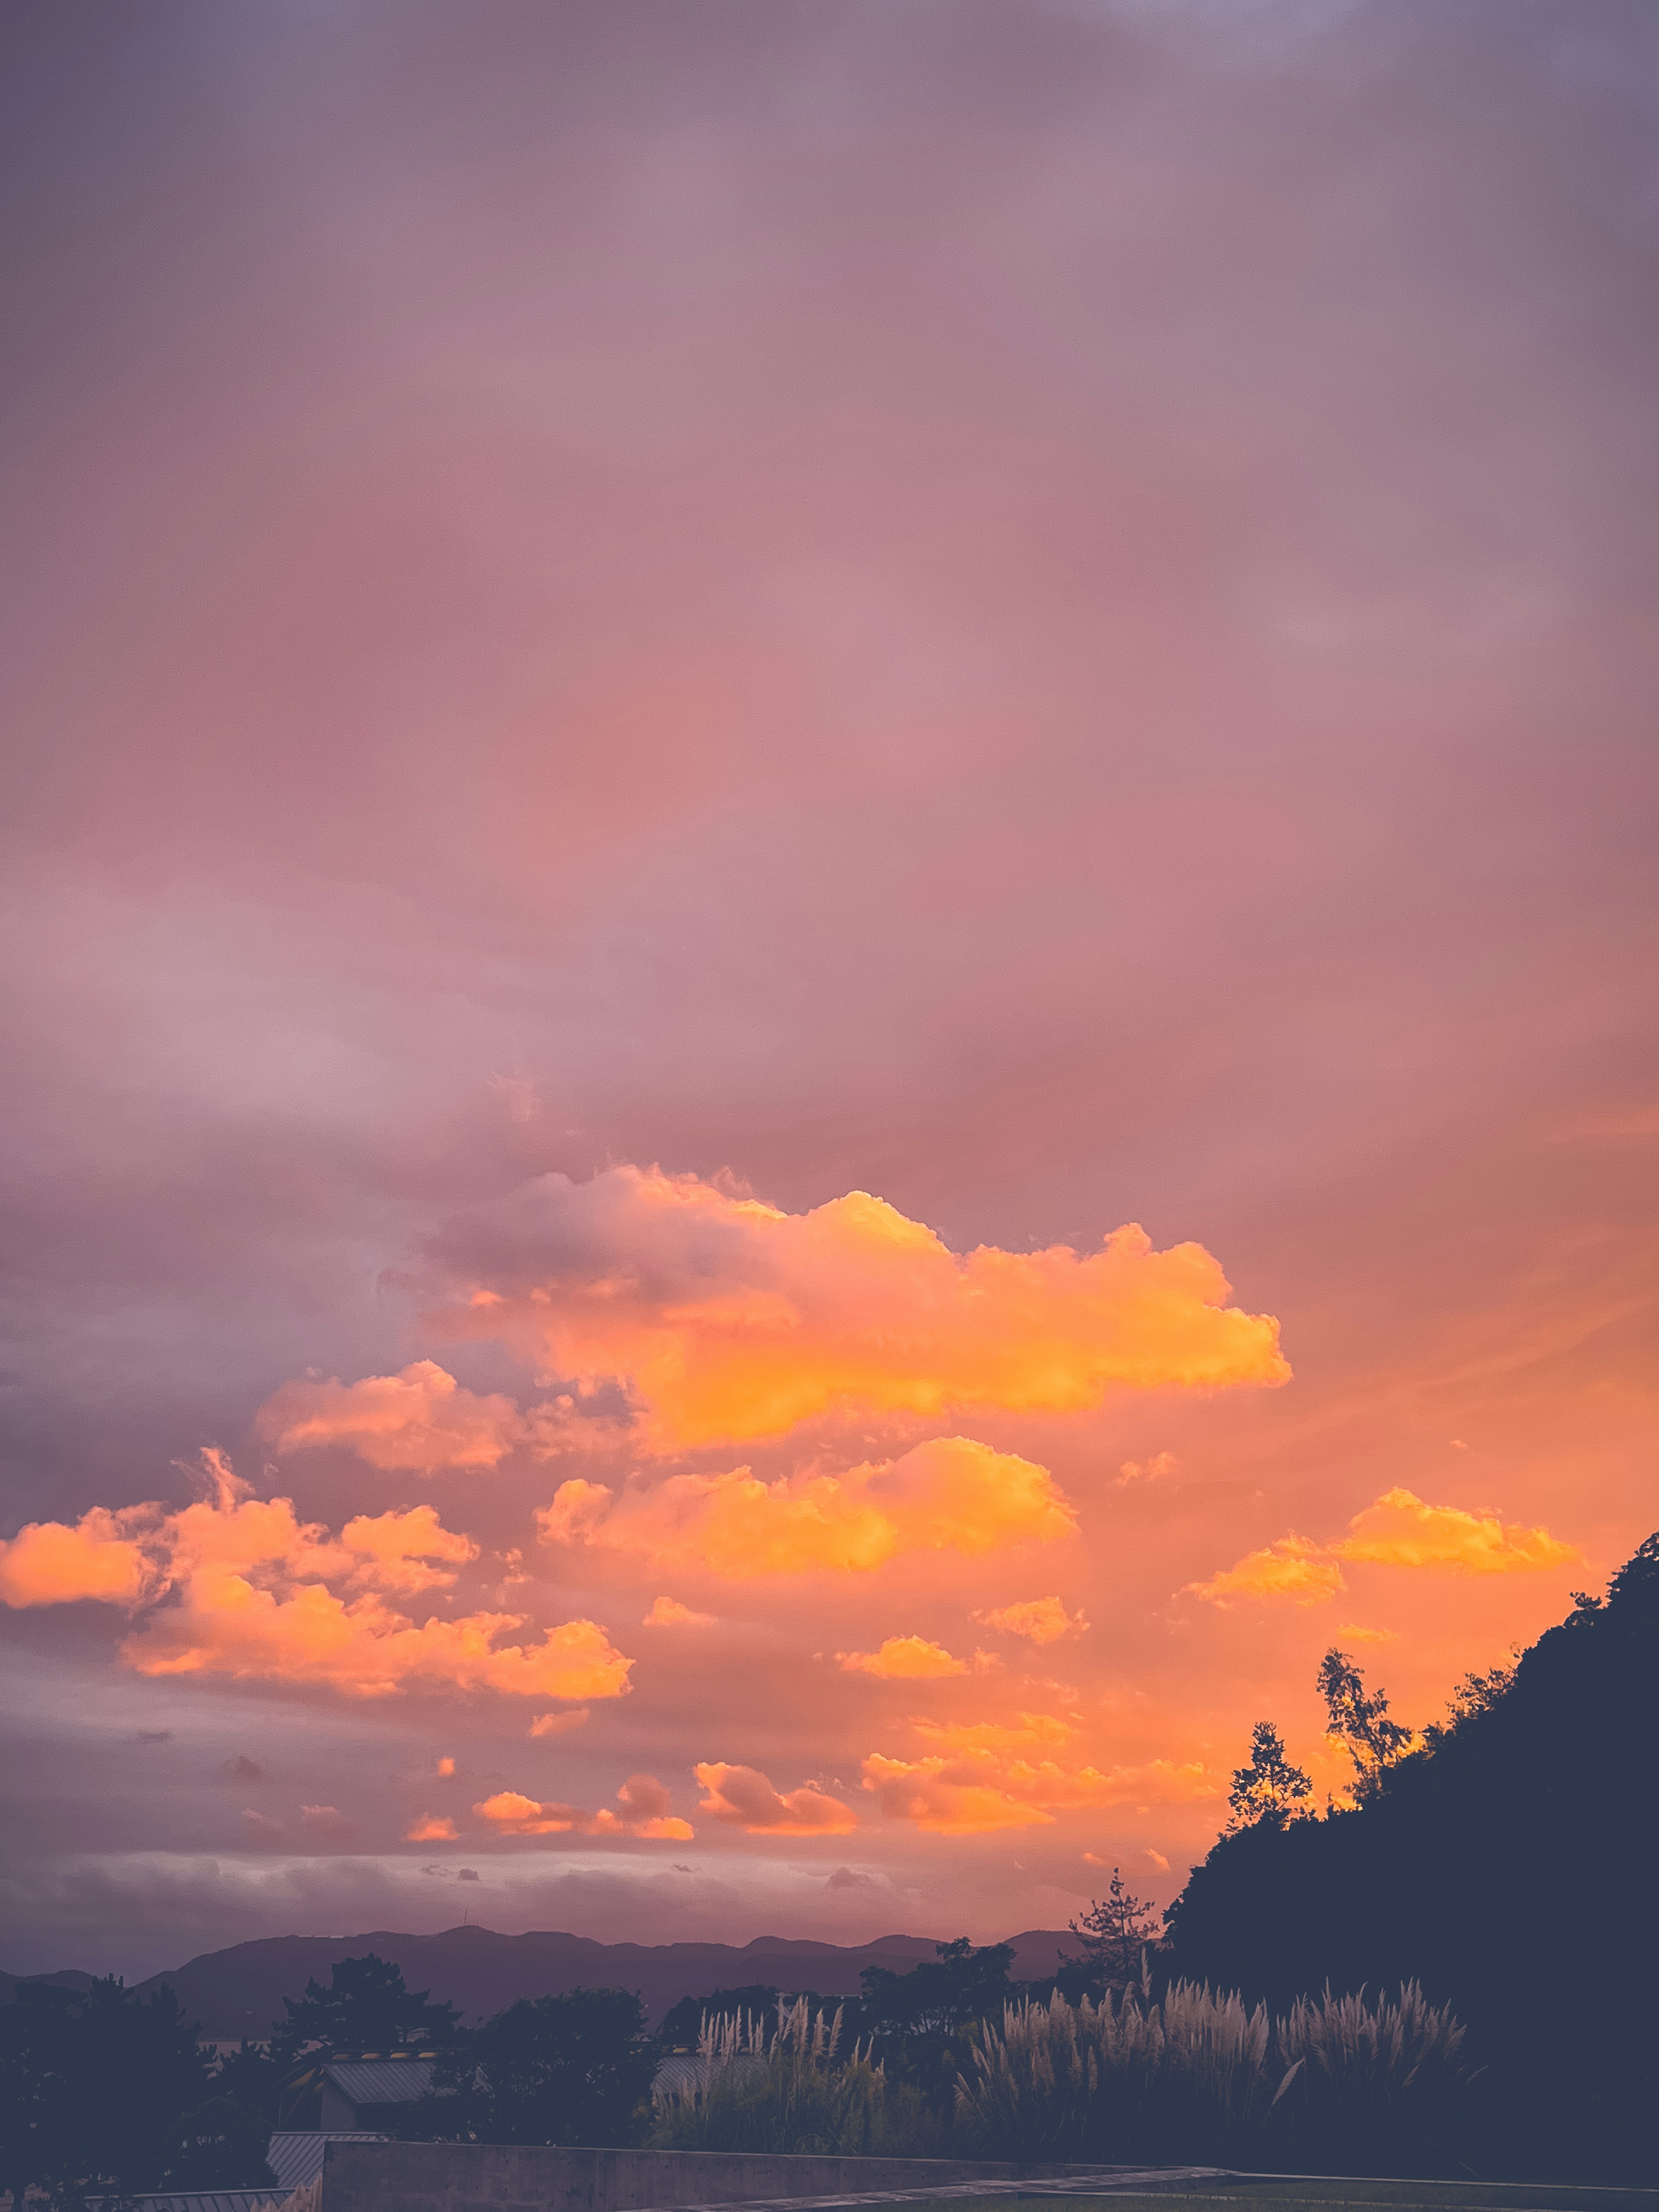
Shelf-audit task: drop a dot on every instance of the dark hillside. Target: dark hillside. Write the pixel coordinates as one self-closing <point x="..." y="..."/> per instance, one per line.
<point x="1514" y="1871"/>
<point x="239" y="1991"/>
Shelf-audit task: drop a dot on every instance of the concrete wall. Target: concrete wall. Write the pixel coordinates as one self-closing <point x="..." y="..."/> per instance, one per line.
<point x="411" y="2177"/>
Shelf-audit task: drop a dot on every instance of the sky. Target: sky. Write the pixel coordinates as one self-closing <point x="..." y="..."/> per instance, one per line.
<point x="828" y="941"/>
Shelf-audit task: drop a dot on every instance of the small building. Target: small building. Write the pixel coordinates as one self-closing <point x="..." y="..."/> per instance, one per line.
<point x="371" y="2095"/>
<point x="295" y="2155"/>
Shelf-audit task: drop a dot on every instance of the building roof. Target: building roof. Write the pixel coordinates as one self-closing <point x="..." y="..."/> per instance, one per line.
<point x="190" y="2200"/>
<point x="687" y="2073"/>
<point x="295" y="2155"/>
<point x="380" y="2080"/>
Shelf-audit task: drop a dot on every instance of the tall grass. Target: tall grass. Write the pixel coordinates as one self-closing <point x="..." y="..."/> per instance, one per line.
<point x="1176" y="2082"/>
<point x="1196" y="2078"/>
<point x="1380" y="2087"/>
<point x="785" y="2090"/>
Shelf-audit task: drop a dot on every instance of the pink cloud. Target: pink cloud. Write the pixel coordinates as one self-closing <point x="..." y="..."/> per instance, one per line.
<point x="421" y="1421"/>
<point x="743" y="1798"/>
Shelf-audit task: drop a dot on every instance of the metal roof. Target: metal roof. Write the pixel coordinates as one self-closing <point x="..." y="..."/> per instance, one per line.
<point x="380" y="2080"/>
<point x="295" y="2155"/>
<point x="192" y="2200"/>
<point x="687" y="2073"/>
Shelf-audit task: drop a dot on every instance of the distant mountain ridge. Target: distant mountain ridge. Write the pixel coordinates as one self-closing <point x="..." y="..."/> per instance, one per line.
<point x="239" y="1991"/>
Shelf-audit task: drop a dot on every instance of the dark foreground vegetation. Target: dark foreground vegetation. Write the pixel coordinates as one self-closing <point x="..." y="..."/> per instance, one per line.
<point x="1485" y="1912"/>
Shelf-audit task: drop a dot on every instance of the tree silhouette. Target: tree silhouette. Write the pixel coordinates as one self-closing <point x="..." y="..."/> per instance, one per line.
<point x="1269" y="1790"/>
<point x="365" y="2007"/>
<point x="1115" y="1933"/>
<point x="571" y="2069"/>
<point x="1360" y="1723"/>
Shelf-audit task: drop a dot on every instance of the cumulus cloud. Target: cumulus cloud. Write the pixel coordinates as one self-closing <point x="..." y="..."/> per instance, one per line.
<point x="1290" y="1567"/>
<point x="234" y="1585"/>
<point x="48" y="1563"/>
<point x="669" y="1612"/>
<point x="731" y="1321"/>
<point x="420" y="1421"/>
<point x="431" y="1828"/>
<point x="947" y="1494"/>
<point x="1400" y="1531"/>
<point x="642" y="1810"/>
<point x="745" y="1799"/>
<point x="1043" y="1619"/>
<point x="904" y="1658"/>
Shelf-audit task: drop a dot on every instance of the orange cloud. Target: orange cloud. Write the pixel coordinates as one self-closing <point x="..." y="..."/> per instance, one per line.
<point x="1290" y="1567"/>
<point x="669" y="1612"/>
<point x="1354" y="1634"/>
<point x="904" y="1658"/>
<point x="420" y="1421"/>
<point x="731" y="1321"/>
<point x="643" y="1812"/>
<point x="948" y="1494"/>
<point x="397" y="1549"/>
<point x="430" y="1828"/>
<point x="975" y="1786"/>
<point x="1400" y="1531"/>
<point x="746" y="1800"/>
<point x="1044" y="1619"/>
<point x="47" y="1564"/>
<point x="238" y="1586"/>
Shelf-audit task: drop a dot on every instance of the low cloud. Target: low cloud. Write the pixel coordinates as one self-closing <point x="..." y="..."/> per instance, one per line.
<point x="237" y="1586"/>
<point x="745" y="1799"/>
<point x="902" y="1658"/>
<point x="642" y="1810"/>
<point x="730" y="1321"/>
<point x="948" y="1494"/>
<point x="845" y="1878"/>
<point x="1043" y="1619"/>
<point x="431" y="1828"/>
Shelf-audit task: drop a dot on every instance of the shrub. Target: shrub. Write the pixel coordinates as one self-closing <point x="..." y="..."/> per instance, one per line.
<point x="1183" y="2081"/>
<point x="1379" y="2090"/>
<point x="785" y="2092"/>
<point x="1198" y="2079"/>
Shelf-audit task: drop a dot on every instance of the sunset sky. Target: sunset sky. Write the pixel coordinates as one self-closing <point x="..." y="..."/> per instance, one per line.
<point x="829" y="936"/>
